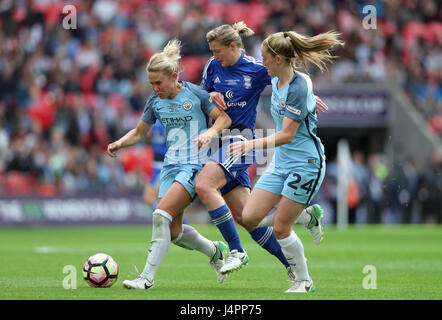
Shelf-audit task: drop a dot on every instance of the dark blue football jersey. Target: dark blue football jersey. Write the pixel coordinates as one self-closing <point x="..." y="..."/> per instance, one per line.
<point x="241" y="85"/>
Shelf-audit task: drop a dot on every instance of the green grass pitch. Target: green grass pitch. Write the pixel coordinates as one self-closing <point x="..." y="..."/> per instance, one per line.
<point x="407" y="262"/>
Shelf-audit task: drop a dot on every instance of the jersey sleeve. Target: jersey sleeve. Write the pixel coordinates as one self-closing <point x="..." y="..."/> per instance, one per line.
<point x="296" y="102"/>
<point x="148" y="113"/>
<point x="206" y="102"/>
<point x="207" y="80"/>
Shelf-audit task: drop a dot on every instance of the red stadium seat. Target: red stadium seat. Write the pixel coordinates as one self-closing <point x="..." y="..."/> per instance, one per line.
<point x="433" y="32"/>
<point x="192" y="68"/>
<point x="137" y="160"/>
<point x="17" y="183"/>
<point x="254" y="15"/>
<point x="214" y="10"/>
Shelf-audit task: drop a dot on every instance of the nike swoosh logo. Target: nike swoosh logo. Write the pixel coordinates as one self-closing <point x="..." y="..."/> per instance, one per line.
<point x="307" y="288"/>
<point x="147" y="287"/>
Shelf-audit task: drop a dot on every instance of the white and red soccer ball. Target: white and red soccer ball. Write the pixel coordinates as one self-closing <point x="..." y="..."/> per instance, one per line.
<point x="100" y="271"/>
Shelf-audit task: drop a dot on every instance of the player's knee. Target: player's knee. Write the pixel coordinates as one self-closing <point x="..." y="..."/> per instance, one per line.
<point x="249" y="220"/>
<point x="281" y="232"/>
<point x="237" y="216"/>
<point x="203" y="189"/>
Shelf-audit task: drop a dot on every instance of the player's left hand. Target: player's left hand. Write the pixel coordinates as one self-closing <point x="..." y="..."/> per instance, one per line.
<point x="218" y="100"/>
<point x="320" y="105"/>
<point x="239" y="148"/>
<point x="204" y="138"/>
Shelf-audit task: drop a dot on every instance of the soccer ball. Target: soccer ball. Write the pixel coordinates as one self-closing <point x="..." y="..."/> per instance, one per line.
<point x="100" y="271"/>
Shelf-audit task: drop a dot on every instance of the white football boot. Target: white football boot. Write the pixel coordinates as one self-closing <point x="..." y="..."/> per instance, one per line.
<point x="235" y="261"/>
<point x="140" y="283"/>
<point x="217" y="260"/>
<point x="315" y="225"/>
<point x="301" y="286"/>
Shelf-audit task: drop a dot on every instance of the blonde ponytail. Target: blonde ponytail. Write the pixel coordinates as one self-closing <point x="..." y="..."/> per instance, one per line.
<point x="166" y="61"/>
<point x="300" y="50"/>
<point x="242" y="29"/>
<point x="226" y="34"/>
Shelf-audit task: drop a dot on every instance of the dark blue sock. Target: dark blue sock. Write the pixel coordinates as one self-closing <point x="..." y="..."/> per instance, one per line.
<point x="266" y="238"/>
<point x="222" y="218"/>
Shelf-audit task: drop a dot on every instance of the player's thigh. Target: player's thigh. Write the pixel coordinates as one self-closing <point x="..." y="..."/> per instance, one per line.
<point x="286" y="214"/>
<point x="212" y="176"/>
<point x="258" y="205"/>
<point x="176" y="199"/>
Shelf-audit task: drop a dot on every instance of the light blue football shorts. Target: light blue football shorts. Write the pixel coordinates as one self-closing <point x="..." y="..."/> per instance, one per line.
<point x="184" y="173"/>
<point x="300" y="183"/>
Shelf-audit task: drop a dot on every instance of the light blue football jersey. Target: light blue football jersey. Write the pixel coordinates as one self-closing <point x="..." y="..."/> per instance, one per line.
<point x="184" y="118"/>
<point x="241" y="84"/>
<point x="297" y="102"/>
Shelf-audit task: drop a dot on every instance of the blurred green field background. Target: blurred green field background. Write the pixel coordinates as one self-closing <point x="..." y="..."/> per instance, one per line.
<point x="407" y="260"/>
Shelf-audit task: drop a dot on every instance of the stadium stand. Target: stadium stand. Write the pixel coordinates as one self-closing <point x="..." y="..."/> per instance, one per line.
<point x="65" y="94"/>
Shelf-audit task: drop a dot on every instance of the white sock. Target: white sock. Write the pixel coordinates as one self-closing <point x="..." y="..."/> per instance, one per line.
<point x="189" y="238"/>
<point x="294" y="253"/>
<point x="304" y="218"/>
<point x="160" y="243"/>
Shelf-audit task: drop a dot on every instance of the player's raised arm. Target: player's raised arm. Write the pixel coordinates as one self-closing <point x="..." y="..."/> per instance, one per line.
<point x="129" y="139"/>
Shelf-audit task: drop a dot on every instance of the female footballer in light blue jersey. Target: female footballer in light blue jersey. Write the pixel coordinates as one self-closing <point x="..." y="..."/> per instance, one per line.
<point x="183" y="109"/>
<point x="298" y="165"/>
<point x="235" y="82"/>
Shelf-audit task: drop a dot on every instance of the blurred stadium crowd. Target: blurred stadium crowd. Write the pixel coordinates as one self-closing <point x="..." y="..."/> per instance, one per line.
<point x="65" y="94"/>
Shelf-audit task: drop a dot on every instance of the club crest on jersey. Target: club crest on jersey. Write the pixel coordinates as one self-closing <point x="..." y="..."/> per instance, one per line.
<point x="282" y="102"/>
<point x="187" y="105"/>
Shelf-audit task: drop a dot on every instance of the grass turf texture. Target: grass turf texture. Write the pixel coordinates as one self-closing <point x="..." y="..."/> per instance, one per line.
<point x="407" y="259"/>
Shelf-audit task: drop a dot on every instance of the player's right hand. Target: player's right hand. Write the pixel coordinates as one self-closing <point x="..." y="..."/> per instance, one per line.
<point x="320" y="105"/>
<point x="112" y="148"/>
<point x="218" y="100"/>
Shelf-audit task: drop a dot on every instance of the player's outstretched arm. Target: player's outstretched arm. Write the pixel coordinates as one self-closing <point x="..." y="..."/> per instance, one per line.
<point x="222" y="121"/>
<point x="284" y="136"/>
<point x="129" y="139"/>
